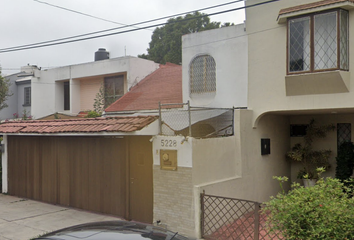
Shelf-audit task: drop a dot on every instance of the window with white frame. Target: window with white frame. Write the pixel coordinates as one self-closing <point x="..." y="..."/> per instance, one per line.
<point x="202" y="74"/>
<point x="318" y="42"/>
<point x="27" y="96"/>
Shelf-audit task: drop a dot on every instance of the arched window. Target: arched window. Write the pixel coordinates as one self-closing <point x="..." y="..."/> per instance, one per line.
<point x="202" y="75"/>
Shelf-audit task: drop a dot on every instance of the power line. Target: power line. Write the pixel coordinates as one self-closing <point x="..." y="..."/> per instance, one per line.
<point x="81" y="13"/>
<point x="111" y="29"/>
<point x="32" y="46"/>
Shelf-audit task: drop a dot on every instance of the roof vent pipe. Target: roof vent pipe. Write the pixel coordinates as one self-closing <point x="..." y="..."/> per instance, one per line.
<point x="101" y="54"/>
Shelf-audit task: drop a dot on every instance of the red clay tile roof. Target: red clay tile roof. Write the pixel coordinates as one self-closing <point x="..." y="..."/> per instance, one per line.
<point x="86" y="125"/>
<point x="163" y="85"/>
<point x="311" y="5"/>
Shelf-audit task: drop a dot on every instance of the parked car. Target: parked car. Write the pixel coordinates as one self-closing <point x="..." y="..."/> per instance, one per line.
<point x="112" y="230"/>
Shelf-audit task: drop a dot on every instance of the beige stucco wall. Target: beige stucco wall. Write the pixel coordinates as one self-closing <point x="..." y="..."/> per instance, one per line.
<point x="88" y="90"/>
<point x="252" y="172"/>
<point x="267" y="65"/>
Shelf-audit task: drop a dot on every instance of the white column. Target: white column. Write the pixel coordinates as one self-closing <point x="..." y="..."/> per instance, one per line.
<point x="74" y="96"/>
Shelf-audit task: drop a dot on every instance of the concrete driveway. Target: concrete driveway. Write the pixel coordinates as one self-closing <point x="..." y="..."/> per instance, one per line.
<point x="22" y="219"/>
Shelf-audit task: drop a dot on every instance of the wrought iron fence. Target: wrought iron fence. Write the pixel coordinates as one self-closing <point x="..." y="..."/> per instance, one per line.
<point x="229" y="218"/>
<point x="182" y="119"/>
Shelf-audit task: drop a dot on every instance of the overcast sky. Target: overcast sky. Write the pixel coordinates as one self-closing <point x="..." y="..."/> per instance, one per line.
<point x="31" y="21"/>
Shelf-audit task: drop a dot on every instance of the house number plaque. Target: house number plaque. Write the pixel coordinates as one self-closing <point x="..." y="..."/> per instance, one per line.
<point x="168" y="160"/>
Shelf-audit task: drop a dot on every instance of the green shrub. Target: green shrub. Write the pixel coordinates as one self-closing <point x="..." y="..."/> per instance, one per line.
<point x="92" y="114"/>
<point x="324" y="211"/>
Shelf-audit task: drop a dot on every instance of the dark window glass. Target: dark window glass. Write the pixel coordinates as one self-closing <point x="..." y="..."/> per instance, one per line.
<point x="66" y="96"/>
<point x="298" y="130"/>
<point x="344" y="133"/>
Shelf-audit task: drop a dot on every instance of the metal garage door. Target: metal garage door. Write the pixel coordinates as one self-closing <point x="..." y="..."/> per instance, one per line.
<point x="81" y="172"/>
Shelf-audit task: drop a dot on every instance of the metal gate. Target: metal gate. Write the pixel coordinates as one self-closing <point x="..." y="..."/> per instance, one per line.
<point x="229" y="218"/>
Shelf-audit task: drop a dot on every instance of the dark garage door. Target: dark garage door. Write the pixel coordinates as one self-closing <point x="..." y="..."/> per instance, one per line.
<point x="81" y="172"/>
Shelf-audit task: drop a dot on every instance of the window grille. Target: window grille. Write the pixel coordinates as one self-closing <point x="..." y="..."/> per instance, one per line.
<point x="202" y="74"/>
<point x="318" y="42"/>
<point x="27" y="96"/>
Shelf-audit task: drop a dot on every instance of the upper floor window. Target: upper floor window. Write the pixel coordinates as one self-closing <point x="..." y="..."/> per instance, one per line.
<point x="318" y="42"/>
<point x="202" y="74"/>
<point x="27" y="96"/>
<point x="113" y="89"/>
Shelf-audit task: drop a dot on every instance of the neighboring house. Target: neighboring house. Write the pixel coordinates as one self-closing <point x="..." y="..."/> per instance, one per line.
<point x="72" y="89"/>
<point x="102" y="164"/>
<point x="19" y="102"/>
<point x="300" y="64"/>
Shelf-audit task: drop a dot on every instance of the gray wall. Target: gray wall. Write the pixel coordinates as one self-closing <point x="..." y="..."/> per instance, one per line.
<point x="7" y="113"/>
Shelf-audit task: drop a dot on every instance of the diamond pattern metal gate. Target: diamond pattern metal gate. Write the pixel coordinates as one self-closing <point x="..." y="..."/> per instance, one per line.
<point x="229" y="218"/>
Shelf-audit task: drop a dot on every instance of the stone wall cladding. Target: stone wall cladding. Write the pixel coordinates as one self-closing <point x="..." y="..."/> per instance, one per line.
<point x="173" y="200"/>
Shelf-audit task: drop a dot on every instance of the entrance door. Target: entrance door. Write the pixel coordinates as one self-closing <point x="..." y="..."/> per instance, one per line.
<point x="141" y="190"/>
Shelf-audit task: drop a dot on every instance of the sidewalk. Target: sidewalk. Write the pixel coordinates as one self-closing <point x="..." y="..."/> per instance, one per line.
<point x="22" y="219"/>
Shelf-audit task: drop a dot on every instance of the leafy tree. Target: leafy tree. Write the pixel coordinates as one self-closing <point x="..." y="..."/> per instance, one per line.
<point x="166" y="41"/>
<point x="4" y="91"/>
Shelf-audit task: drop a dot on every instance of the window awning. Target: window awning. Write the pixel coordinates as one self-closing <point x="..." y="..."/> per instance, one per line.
<point x="24" y="80"/>
<point x="313" y="7"/>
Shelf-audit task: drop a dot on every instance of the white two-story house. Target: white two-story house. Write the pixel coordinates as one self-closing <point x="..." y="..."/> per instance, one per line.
<point x="72" y="89"/>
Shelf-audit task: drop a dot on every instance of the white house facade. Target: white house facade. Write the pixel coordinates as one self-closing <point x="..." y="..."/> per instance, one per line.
<point x="71" y="89"/>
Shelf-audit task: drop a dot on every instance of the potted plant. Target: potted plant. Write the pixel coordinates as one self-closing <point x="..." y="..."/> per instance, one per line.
<point x="305" y="154"/>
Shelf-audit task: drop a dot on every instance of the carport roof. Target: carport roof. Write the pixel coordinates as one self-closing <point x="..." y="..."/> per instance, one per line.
<point x="86" y="125"/>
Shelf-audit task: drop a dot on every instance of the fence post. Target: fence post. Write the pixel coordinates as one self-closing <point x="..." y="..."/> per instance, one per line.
<point x="160" y="120"/>
<point x="202" y="212"/>
<point x="189" y="119"/>
<point x="256" y="220"/>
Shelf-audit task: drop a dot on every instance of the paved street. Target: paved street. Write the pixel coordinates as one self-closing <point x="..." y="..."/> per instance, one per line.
<point x="22" y="219"/>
